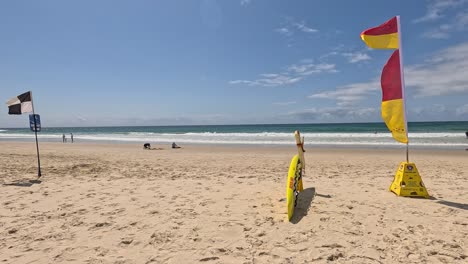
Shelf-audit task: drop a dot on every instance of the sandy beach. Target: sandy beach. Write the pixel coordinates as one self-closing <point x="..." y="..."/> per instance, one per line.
<point x="117" y="203"/>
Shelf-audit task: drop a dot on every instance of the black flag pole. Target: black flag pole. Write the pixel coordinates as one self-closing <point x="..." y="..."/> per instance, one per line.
<point x="39" y="174"/>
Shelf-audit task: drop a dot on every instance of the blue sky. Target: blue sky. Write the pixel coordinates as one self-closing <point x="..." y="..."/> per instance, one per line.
<point x="175" y="62"/>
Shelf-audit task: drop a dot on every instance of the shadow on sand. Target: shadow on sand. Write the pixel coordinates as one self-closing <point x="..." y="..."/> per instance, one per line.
<point x="446" y="203"/>
<point x="23" y="183"/>
<point x="304" y="199"/>
<point x="323" y="195"/>
<point x="452" y="204"/>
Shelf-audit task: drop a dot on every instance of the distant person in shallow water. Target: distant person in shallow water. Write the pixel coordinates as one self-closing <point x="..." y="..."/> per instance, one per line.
<point x="71" y="137"/>
<point x="64" y="139"/>
<point x="174" y="145"/>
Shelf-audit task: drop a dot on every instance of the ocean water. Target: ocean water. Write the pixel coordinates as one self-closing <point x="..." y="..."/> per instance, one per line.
<point x="449" y="135"/>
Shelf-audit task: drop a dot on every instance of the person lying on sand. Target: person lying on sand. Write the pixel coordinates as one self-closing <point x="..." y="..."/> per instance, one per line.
<point x="147" y="146"/>
<point x="174" y="145"/>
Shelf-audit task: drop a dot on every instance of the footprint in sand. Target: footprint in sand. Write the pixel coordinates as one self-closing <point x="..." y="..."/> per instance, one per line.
<point x="126" y="241"/>
<point x="208" y="259"/>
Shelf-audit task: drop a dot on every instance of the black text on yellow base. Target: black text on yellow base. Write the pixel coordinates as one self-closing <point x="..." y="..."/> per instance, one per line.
<point x="407" y="182"/>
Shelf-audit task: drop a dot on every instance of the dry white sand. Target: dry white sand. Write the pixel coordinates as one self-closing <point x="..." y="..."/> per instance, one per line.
<point x="103" y="203"/>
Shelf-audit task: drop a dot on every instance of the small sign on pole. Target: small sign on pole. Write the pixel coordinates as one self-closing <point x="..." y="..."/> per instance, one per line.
<point x="35" y="122"/>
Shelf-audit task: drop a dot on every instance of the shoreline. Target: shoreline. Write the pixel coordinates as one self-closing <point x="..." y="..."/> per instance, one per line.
<point x="394" y="146"/>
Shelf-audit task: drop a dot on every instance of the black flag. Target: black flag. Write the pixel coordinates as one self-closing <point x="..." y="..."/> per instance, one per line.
<point x="20" y="104"/>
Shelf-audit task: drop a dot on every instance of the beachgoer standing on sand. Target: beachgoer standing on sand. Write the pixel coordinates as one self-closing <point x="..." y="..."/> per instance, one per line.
<point x="71" y="136"/>
<point x="64" y="139"/>
<point x="466" y="133"/>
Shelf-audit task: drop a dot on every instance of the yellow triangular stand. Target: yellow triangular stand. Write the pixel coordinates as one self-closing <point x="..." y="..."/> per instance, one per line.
<point x="407" y="182"/>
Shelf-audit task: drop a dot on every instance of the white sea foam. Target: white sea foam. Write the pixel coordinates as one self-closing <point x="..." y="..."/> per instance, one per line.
<point x="19" y="136"/>
<point x="449" y="140"/>
<point x="288" y="135"/>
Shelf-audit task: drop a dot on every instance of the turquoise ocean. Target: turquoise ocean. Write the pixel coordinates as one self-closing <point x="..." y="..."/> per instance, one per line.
<point x="446" y="135"/>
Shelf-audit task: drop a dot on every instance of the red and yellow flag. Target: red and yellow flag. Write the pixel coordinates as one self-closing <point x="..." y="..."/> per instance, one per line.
<point x="384" y="36"/>
<point x="393" y="107"/>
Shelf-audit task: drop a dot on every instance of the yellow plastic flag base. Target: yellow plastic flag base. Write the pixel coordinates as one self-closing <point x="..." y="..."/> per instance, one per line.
<point x="407" y="182"/>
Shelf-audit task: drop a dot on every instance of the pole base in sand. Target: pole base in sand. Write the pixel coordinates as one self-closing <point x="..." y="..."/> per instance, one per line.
<point x="407" y="182"/>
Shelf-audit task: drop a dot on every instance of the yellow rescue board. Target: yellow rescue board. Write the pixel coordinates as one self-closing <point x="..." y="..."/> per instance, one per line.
<point x="294" y="183"/>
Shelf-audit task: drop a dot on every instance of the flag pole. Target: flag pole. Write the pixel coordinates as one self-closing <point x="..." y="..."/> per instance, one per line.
<point x="39" y="174"/>
<point x="400" y="47"/>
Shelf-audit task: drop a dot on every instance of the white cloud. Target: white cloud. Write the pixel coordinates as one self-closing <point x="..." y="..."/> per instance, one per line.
<point x="356" y="56"/>
<point x="445" y="73"/>
<point x="352" y="57"/>
<point x="349" y="94"/>
<point x="245" y="2"/>
<point x="284" y="30"/>
<point x="458" y="23"/>
<point x="439" y="108"/>
<point x="277" y="80"/>
<point x="270" y="75"/>
<point x="462" y="110"/>
<point x="338" y="113"/>
<point x="325" y="67"/>
<point x="308" y="69"/>
<point x="436" y="34"/>
<point x="81" y="118"/>
<point x="416" y="110"/>
<point x="329" y="54"/>
<point x="302" y="27"/>
<point x="293" y="74"/>
<point x="436" y="9"/>
<point x="291" y="26"/>
<point x="284" y="103"/>
<point x="433" y="112"/>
